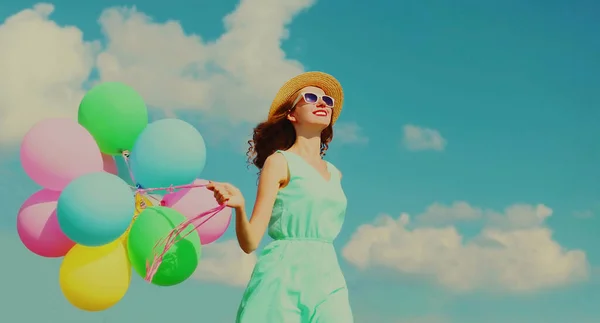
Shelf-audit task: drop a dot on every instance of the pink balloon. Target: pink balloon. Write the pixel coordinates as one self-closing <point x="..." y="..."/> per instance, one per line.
<point x="38" y="227"/>
<point x="56" y="151"/>
<point x="110" y="165"/>
<point x="193" y="201"/>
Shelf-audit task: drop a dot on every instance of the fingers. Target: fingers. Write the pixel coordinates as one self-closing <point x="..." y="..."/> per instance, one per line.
<point x="211" y="185"/>
<point x="220" y="192"/>
<point x="214" y="185"/>
<point x="222" y="198"/>
<point x="223" y="186"/>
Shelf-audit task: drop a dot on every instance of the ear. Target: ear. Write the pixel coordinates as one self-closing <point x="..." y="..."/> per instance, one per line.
<point x="291" y="117"/>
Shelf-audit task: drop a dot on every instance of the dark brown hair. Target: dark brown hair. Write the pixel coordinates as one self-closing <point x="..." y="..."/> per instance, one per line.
<point x="278" y="133"/>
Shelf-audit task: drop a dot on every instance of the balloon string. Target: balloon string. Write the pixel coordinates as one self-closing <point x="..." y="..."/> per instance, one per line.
<point x="125" y="155"/>
<point x="176" y="234"/>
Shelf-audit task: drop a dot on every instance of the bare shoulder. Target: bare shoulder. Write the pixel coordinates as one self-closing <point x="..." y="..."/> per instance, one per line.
<point x="276" y="166"/>
<point x="276" y="160"/>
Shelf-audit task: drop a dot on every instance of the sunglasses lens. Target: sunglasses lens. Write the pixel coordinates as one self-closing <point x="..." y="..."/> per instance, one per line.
<point x="328" y="100"/>
<point x="310" y="98"/>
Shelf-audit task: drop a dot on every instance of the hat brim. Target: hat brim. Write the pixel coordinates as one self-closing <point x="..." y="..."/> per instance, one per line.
<point x="329" y="84"/>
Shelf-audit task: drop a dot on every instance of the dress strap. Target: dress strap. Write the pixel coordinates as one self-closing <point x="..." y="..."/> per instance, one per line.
<point x="335" y="173"/>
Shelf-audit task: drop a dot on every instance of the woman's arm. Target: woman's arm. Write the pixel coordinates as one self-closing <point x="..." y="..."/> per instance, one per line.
<point x="273" y="176"/>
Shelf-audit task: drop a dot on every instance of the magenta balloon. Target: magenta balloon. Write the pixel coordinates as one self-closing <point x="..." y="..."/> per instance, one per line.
<point x="38" y="227"/>
<point x="191" y="202"/>
<point x="110" y="165"/>
<point x="56" y="151"/>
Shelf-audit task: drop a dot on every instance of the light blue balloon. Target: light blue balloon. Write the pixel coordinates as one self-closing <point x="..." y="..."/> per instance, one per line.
<point x="168" y="152"/>
<point x="95" y="209"/>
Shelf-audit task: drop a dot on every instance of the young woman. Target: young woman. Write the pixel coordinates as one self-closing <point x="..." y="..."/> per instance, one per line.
<point x="297" y="278"/>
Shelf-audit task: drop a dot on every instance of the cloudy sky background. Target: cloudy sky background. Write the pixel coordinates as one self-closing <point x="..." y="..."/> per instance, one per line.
<point x="469" y="144"/>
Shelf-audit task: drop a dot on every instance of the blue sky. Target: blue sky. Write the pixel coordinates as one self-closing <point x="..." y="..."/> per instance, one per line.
<point x="468" y="144"/>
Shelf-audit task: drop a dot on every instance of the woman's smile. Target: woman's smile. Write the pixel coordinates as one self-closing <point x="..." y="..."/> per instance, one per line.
<point x="320" y="112"/>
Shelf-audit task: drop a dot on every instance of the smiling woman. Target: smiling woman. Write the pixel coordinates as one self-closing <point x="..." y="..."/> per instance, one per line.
<point x="297" y="277"/>
<point x="277" y="132"/>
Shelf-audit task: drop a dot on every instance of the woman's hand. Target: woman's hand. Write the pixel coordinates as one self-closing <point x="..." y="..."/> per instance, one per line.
<point x="227" y="194"/>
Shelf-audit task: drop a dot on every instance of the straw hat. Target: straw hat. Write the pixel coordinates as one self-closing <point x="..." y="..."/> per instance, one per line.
<point x="324" y="81"/>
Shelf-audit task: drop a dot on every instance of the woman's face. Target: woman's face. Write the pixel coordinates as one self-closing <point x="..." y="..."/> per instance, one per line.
<point x="313" y="108"/>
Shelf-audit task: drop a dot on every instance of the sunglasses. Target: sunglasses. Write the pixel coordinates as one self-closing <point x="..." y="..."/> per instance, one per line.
<point x="310" y="97"/>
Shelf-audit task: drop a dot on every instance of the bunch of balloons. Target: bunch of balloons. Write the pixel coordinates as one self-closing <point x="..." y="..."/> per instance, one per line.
<point x="88" y="213"/>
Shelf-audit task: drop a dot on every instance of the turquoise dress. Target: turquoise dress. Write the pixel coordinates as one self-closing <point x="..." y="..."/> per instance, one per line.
<point x="297" y="278"/>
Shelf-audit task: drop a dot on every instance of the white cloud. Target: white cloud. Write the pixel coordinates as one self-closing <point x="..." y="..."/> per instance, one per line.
<point x="226" y="263"/>
<point x="349" y="133"/>
<point x="418" y="138"/>
<point x="519" y="216"/>
<point x="236" y="76"/>
<point x="516" y="216"/>
<point x="233" y="78"/>
<point x="440" y="214"/>
<point x="42" y="69"/>
<point x="513" y="252"/>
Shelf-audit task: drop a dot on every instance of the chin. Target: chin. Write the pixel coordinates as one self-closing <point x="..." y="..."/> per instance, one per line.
<point x="321" y="122"/>
<point x="320" y="125"/>
<point x="314" y="127"/>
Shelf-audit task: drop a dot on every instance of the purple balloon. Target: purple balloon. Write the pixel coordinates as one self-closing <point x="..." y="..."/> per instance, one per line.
<point x="192" y="201"/>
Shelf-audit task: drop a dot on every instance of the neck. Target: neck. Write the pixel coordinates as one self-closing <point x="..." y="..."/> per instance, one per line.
<point x="308" y="146"/>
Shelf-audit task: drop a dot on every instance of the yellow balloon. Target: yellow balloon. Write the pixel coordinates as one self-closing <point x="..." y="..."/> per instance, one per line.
<point x="95" y="278"/>
<point x="141" y="202"/>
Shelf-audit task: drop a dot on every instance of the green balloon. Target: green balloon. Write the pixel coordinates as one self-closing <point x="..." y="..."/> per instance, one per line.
<point x="152" y="225"/>
<point x="115" y="115"/>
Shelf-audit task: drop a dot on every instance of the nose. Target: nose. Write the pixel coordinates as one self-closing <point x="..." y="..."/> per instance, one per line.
<point x="321" y="104"/>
